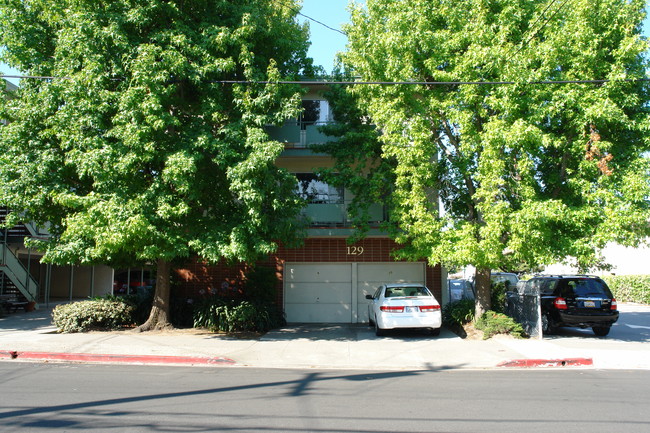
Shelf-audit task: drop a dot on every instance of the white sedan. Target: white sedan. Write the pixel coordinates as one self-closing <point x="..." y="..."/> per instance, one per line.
<point x="405" y="305"/>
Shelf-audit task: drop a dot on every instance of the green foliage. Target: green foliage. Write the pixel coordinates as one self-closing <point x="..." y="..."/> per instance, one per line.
<point x="357" y="154"/>
<point x="227" y="315"/>
<point x="100" y="314"/>
<point x="140" y="302"/>
<point x="458" y="312"/>
<point x="498" y="294"/>
<point x="138" y="152"/>
<point x="630" y="288"/>
<point x="260" y="285"/>
<point x="526" y="173"/>
<point x="492" y="323"/>
<point x="181" y="312"/>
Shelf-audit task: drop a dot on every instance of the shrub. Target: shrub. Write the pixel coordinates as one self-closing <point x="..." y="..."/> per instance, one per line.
<point x="498" y="296"/>
<point x="99" y="313"/>
<point x="492" y="323"/>
<point x="140" y="302"/>
<point x="260" y="285"/>
<point x="630" y="288"/>
<point x="458" y="312"/>
<point x="227" y="315"/>
<point x="181" y="312"/>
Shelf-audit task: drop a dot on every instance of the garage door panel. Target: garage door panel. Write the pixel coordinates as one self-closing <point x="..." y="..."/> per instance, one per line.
<point x="319" y="313"/>
<point x="318" y="292"/>
<point x="326" y="273"/>
<point x="372" y="275"/>
<point x="391" y="272"/>
<point x="323" y="292"/>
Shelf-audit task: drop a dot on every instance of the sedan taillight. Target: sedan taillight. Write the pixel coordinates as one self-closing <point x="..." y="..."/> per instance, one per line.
<point x="429" y="308"/>
<point x="392" y="309"/>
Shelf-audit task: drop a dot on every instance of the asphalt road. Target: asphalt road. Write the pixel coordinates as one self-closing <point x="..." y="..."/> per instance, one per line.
<point x="82" y="397"/>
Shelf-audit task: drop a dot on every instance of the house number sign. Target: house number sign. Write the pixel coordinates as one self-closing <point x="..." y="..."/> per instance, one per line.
<point x="355" y="251"/>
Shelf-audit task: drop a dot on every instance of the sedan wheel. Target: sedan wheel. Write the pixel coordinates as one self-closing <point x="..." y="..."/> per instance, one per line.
<point x="378" y="331"/>
<point x="435" y="331"/>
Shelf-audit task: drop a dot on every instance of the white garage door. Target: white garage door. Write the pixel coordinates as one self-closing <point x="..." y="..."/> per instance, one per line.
<point x="372" y="275"/>
<point x="336" y="292"/>
<point x="317" y="293"/>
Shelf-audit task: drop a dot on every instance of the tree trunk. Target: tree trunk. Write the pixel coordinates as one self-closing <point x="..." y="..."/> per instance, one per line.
<point x="159" y="317"/>
<point x="483" y="291"/>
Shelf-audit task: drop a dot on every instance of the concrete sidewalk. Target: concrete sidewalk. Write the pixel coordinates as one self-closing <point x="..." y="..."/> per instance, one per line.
<point x="31" y="337"/>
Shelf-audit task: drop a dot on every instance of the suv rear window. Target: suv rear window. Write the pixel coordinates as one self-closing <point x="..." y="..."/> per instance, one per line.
<point x="584" y="287"/>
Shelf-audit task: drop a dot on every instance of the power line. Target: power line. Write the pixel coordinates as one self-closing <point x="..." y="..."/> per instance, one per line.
<point x="385" y="83"/>
<point x="281" y="3"/>
<point x="541" y="28"/>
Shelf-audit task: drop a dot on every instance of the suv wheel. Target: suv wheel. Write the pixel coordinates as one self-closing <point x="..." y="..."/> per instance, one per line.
<point x="547" y="325"/>
<point x="601" y="331"/>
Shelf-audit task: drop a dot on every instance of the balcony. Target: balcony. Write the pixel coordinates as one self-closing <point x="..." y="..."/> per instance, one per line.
<point x="298" y="135"/>
<point x="336" y="215"/>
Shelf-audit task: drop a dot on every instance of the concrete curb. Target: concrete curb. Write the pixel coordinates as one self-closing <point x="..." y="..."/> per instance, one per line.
<point x="529" y="363"/>
<point x="116" y="359"/>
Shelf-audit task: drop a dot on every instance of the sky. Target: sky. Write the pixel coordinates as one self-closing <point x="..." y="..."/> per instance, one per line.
<point x="325" y="43"/>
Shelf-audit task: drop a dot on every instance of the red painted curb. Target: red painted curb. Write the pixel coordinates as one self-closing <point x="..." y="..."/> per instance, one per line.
<point x="121" y="359"/>
<point x="568" y="362"/>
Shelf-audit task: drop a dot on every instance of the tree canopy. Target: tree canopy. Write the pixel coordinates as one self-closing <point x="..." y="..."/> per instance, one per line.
<point x="493" y="174"/>
<point x="134" y="151"/>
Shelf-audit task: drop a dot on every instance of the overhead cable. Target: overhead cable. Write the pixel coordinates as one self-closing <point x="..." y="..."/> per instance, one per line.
<point x="385" y="83"/>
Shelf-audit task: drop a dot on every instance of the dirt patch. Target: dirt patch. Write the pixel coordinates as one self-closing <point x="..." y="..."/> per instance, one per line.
<point x="467" y="331"/>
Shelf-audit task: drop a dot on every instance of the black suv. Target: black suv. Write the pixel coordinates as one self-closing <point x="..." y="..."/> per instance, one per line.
<point x="575" y="300"/>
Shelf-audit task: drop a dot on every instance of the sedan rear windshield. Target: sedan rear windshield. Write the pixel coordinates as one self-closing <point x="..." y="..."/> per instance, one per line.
<point x="393" y="292"/>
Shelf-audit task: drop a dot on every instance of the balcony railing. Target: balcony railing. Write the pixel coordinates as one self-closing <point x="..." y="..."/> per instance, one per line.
<point x="336" y="215"/>
<point x="298" y="135"/>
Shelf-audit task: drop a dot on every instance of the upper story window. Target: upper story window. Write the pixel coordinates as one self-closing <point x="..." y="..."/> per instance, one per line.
<point x="313" y="189"/>
<point x="314" y="112"/>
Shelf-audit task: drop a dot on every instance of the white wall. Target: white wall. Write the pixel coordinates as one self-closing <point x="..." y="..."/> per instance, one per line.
<point x="625" y="261"/>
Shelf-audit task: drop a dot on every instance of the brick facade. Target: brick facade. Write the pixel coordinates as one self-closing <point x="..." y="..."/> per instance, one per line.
<point x="196" y="278"/>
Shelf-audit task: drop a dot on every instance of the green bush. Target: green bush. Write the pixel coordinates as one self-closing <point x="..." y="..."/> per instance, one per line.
<point x="458" y="312"/>
<point x="260" y="285"/>
<point x="181" y="312"/>
<point x="492" y="323"/>
<point x="498" y="296"/>
<point x="101" y="314"/>
<point x="228" y="315"/>
<point x="630" y="288"/>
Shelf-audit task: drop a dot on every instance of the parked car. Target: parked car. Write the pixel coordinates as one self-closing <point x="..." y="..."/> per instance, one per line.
<point x="460" y="289"/>
<point x="135" y="281"/>
<point x="575" y="301"/>
<point x="508" y="278"/>
<point x="405" y="305"/>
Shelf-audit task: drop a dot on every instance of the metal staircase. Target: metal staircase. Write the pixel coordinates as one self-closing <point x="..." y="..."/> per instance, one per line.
<point x="14" y="276"/>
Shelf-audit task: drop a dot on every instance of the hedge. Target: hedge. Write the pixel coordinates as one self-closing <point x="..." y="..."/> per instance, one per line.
<point x="100" y="314"/>
<point x="630" y="288"/>
<point x="228" y="315"/>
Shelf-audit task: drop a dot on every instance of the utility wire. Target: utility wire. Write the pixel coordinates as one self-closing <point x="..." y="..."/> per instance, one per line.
<point x="297" y="11"/>
<point x="541" y="28"/>
<point x="384" y="83"/>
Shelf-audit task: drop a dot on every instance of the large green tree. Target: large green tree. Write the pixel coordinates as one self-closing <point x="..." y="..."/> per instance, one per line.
<point x="530" y="171"/>
<point x="136" y="151"/>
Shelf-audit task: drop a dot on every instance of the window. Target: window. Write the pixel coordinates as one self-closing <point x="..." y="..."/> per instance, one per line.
<point x="315" y="112"/>
<point x="315" y="190"/>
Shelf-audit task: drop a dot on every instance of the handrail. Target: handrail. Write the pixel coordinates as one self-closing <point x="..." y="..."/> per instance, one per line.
<point x="17" y="273"/>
